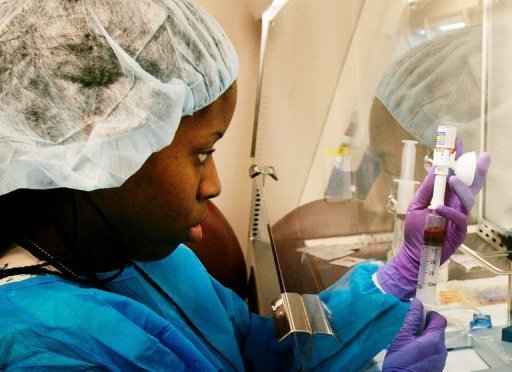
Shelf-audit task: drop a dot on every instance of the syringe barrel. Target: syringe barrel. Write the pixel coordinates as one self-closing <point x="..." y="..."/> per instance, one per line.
<point x="406" y="184"/>
<point x="408" y="160"/>
<point x="435" y="230"/>
<point x="404" y="195"/>
<point x="426" y="290"/>
<point x="430" y="260"/>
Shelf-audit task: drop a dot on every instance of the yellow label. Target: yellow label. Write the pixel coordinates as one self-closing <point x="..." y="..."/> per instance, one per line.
<point x="342" y="150"/>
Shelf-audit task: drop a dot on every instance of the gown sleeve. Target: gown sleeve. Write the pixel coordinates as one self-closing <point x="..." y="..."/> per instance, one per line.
<point x="364" y="318"/>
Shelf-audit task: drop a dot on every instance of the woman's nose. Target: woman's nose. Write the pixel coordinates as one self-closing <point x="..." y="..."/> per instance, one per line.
<point x="210" y="186"/>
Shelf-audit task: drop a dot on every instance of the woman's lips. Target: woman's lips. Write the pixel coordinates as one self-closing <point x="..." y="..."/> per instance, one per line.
<point x="195" y="234"/>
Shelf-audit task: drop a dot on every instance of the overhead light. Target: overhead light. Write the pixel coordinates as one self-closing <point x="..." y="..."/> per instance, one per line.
<point x="274" y="8"/>
<point x="452" y="26"/>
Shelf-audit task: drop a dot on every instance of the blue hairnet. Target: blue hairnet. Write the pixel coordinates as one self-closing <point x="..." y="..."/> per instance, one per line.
<point x="91" y="88"/>
<point x="437" y="82"/>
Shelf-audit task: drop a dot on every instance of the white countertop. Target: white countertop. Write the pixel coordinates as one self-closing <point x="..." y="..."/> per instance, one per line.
<point x="465" y="360"/>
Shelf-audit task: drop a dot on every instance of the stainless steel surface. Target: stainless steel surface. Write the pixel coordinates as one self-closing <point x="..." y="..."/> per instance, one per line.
<point x="487" y="247"/>
<point x="488" y="345"/>
<point x="484" y="260"/>
<point x="258" y="218"/>
<point x="492" y="235"/>
<point x="267" y="283"/>
<point x="509" y="302"/>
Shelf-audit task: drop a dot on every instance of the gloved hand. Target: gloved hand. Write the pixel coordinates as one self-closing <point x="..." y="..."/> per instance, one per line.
<point x="399" y="276"/>
<point x="415" y="349"/>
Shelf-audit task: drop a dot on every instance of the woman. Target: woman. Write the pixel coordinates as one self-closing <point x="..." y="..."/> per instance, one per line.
<point x="106" y="167"/>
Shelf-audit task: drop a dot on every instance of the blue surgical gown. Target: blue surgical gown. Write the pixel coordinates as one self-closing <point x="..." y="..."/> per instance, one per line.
<point x="171" y="315"/>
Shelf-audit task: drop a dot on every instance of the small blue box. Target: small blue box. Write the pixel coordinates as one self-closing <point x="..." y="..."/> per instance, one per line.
<point x="480" y="321"/>
<point x="506" y="334"/>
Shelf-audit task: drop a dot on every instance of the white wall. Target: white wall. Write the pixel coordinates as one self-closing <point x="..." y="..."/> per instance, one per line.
<point x="498" y="196"/>
<point x="371" y="52"/>
<point x="307" y="45"/>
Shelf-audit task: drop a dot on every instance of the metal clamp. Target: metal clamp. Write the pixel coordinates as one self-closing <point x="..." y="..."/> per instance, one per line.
<point x="256" y="170"/>
<point x="294" y="313"/>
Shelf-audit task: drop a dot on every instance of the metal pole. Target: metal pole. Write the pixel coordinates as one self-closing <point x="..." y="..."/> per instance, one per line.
<point x="509" y="300"/>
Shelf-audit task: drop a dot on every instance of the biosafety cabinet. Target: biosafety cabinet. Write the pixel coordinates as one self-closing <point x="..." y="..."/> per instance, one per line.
<point x="343" y="85"/>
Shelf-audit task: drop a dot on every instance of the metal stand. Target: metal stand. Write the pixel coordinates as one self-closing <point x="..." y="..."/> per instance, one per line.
<point x="493" y="237"/>
<point x="293" y="313"/>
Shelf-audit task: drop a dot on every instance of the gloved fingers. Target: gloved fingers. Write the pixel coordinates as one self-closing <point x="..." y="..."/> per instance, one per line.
<point x="410" y="328"/>
<point x="414" y="319"/>
<point x="434" y="322"/>
<point x="424" y="194"/>
<point x="482" y="167"/>
<point x="459" y="219"/>
<point x="466" y="196"/>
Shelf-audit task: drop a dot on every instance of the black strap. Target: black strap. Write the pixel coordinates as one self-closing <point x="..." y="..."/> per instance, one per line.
<point x="25" y="270"/>
<point x="64" y="271"/>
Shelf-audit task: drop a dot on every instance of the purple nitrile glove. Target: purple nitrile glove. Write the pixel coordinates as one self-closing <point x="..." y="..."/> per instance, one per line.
<point x="415" y="349"/>
<point x="399" y="276"/>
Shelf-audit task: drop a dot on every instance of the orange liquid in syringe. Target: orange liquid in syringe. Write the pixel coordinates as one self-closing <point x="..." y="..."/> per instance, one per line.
<point x="434" y="236"/>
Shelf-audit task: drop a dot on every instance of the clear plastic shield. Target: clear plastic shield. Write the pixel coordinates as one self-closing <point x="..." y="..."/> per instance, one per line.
<point x="334" y="126"/>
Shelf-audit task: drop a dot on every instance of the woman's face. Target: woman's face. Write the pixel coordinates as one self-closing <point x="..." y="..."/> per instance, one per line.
<point x="164" y="202"/>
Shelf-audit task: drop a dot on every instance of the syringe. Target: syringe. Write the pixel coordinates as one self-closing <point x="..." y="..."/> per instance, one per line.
<point x="435" y="225"/>
<point x="430" y="259"/>
<point x="404" y="193"/>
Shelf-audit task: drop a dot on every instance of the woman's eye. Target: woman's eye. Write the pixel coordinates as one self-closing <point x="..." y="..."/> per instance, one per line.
<point x="203" y="156"/>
